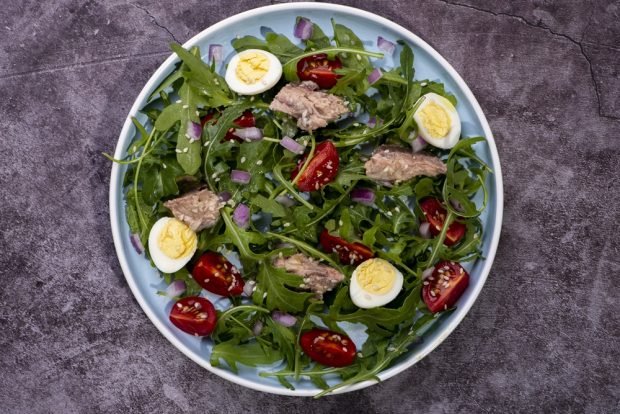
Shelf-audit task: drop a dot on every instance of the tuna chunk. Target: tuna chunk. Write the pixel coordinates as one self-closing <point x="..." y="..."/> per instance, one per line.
<point x="391" y="164"/>
<point x="313" y="109"/>
<point x="198" y="209"/>
<point x="318" y="278"/>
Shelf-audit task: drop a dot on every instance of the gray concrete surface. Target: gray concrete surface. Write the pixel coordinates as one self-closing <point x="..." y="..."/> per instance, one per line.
<point x="542" y="337"/>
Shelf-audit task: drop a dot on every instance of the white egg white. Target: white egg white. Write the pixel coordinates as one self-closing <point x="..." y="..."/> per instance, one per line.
<point x="366" y="300"/>
<point x="454" y="133"/>
<point x="163" y="262"/>
<point x="273" y="75"/>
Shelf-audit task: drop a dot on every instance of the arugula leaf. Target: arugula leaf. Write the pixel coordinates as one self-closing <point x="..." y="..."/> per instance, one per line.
<point x="275" y="288"/>
<point x="251" y="354"/>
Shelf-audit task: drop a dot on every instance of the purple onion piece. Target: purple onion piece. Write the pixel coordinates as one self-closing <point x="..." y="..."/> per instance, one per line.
<point x="258" y="328"/>
<point x="375" y="75"/>
<point x="292" y="145"/>
<point x="284" y="319"/>
<point x="216" y="53"/>
<point x="428" y="272"/>
<point x="249" y="134"/>
<point x="240" y="177"/>
<point x="385" y="45"/>
<point x="194" y="131"/>
<point x="303" y="29"/>
<point x="363" y="195"/>
<point x="286" y="201"/>
<point x="456" y="204"/>
<point x="241" y="216"/>
<point x="418" y="144"/>
<point x="136" y="243"/>
<point x="425" y="230"/>
<point x="225" y="196"/>
<point x="372" y="122"/>
<point x="176" y="288"/>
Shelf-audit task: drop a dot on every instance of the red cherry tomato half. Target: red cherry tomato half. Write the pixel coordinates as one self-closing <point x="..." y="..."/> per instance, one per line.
<point x="194" y="315"/>
<point x="349" y="253"/>
<point x="328" y="348"/>
<point x="246" y="120"/>
<point x="217" y="275"/>
<point x="321" y="170"/>
<point x="319" y="69"/>
<point x="445" y="286"/>
<point x="435" y="214"/>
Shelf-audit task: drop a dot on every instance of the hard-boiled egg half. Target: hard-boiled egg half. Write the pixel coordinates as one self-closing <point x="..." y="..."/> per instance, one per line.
<point x="253" y="71"/>
<point x="171" y="244"/>
<point x="375" y="282"/>
<point x="438" y="121"/>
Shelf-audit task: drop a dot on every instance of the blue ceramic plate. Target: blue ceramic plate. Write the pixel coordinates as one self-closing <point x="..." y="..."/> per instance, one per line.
<point x="144" y="280"/>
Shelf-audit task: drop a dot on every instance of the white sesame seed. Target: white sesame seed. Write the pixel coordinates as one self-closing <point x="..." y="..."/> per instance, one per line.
<point x="185" y="106"/>
<point x="340" y="223"/>
<point x="178" y="151"/>
<point x="259" y="162"/>
<point x="186" y="149"/>
<point x="286" y="224"/>
<point x="179" y="101"/>
<point x="242" y="160"/>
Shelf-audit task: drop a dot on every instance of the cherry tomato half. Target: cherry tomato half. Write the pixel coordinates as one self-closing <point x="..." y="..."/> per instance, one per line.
<point x="435" y="214"/>
<point x="328" y="348"/>
<point x="445" y="286"/>
<point x="319" y="69"/>
<point x="217" y="275"/>
<point x="194" y="315"/>
<point x="246" y="120"/>
<point x="321" y="170"/>
<point x="349" y="253"/>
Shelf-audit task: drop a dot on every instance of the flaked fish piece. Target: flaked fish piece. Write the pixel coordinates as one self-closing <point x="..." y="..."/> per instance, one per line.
<point x="318" y="278"/>
<point x="198" y="209"/>
<point x="391" y="164"/>
<point x="313" y="109"/>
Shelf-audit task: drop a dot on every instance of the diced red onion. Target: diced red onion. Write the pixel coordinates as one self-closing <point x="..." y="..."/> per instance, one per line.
<point x="456" y="204"/>
<point x="386" y="45"/>
<point x="258" y="328"/>
<point x="418" y="144"/>
<point x="427" y="273"/>
<point x="248" y="288"/>
<point x="372" y="122"/>
<point x="175" y="289"/>
<point x="363" y="195"/>
<point x="249" y="134"/>
<point x="136" y="243"/>
<point x="292" y="145"/>
<point x="241" y="215"/>
<point x="194" y="131"/>
<point x="286" y="201"/>
<point x="303" y="29"/>
<point x="240" y="177"/>
<point x="284" y="319"/>
<point x="375" y="75"/>
<point x="425" y="230"/>
<point x="216" y="52"/>
<point x="225" y="196"/>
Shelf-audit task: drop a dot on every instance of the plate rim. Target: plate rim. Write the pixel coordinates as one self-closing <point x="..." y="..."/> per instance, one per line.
<point x="114" y="198"/>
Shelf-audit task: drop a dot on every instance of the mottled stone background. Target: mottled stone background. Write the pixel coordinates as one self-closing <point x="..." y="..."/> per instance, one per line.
<point x="543" y="335"/>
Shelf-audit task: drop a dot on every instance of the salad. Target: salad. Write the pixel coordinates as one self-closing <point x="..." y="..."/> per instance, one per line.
<point x="325" y="200"/>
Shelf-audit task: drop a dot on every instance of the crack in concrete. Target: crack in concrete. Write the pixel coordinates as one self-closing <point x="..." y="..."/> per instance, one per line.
<point x="548" y="29"/>
<point x="154" y="20"/>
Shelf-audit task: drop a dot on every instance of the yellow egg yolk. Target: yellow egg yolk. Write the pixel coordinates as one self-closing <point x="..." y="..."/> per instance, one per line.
<point x="435" y="119"/>
<point x="252" y="67"/>
<point x="376" y="276"/>
<point x="177" y="239"/>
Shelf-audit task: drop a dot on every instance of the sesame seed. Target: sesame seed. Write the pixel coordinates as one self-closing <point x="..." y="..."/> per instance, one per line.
<point x="186" y="149"/>
<point x="179" y="101"/>
<point x="397" y="209"/>
<point x="197" y="113"/>
<point x="425" y="283"/>
<point x="259" y="162"/>
<point x="185" y="106"/>
<point x="389" y="213"/>
<point x="242" y="160"/>
<point x="340" y="223"/>
<point x="286" y="224"/>
<point x="178" y="151"/>
<point x="214" y="175"/>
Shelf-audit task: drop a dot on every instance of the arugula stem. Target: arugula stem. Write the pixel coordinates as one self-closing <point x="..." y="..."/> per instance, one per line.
<point x="277" y="172"/>
<point x="271" y="139"/>
<point x="439" y="239"/>
<point x="135" y="184"/>
<point x="329" y="50"/>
